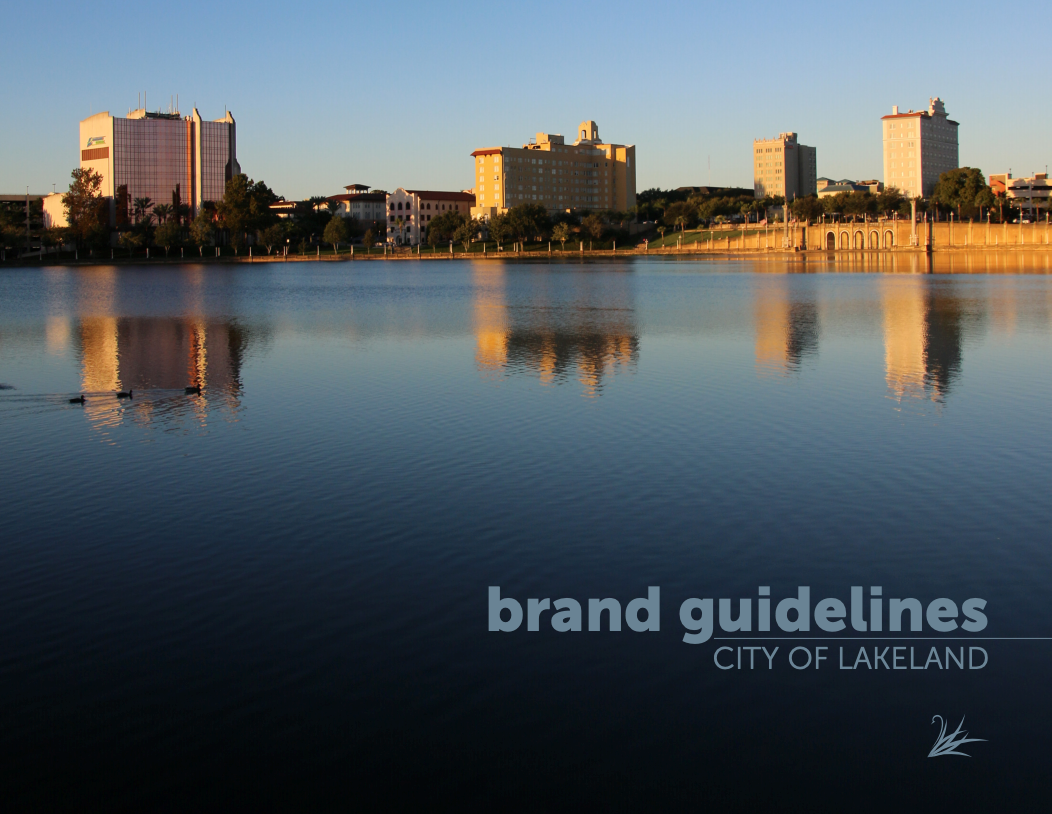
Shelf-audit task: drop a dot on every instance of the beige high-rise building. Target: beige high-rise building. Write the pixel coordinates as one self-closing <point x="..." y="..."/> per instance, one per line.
<point x="588" y="174"/>
<point x="919" y="146"/>
<point x="782" y="166"/>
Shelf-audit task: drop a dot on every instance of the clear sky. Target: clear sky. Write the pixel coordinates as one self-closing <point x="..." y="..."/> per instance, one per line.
<point x="399" y="94"/>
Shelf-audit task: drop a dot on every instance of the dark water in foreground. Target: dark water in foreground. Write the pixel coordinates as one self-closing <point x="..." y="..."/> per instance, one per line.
<point x="275" y="594"/>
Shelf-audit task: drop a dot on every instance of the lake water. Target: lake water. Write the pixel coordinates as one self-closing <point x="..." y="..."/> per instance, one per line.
<point x="275" y="593"/>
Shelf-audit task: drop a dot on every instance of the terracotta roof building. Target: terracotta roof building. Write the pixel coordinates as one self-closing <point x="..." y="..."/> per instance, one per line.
<point x="588" y="174"/>
<point x="410" y="210"/>
<point x="919" y="146"/>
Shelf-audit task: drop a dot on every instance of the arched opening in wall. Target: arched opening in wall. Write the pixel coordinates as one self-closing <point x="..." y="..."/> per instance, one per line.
<point x="831" y="241"/>
<point x="860" y="240"/>
<point x="889" y="239"/>
<point x="845" y="240"/>
<point x="874" y="240"/>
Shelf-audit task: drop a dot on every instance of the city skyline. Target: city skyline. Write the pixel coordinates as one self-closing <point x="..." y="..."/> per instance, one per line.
<point x="691" y="104"/>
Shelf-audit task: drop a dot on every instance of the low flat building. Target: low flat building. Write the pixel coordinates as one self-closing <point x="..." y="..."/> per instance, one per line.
<point x="368" y="208"/>
<point x="410" y="210"/>
<point x="716" y="192"/>
<point x="847" y="185"/>
<point x="782" y="166"/>
<point x="1031" y="195"/>
<point x="54" y="212"/>
<point x="284" y="209"/>
<point x="588" y="174"/>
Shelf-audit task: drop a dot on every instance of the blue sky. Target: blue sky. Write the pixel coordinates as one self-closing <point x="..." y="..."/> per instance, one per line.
<point x="399" y="94"/>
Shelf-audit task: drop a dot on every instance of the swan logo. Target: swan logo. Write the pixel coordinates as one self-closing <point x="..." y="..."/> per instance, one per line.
<point x="947" y="744"/>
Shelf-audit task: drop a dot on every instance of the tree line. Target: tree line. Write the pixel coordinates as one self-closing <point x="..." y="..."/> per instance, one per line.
<point x="243" y="213"/>
<point x="529" y="222"/>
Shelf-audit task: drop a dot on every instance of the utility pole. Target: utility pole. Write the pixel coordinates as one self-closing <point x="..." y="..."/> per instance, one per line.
<point x="27" y="220"/>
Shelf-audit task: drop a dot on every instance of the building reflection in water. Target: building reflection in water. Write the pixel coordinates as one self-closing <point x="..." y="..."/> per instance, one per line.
<point x="924" y="329"/>
<point x="555" y="326"/>
<point x="153" y="355"/>
<point x="786" y="322"/>
<point x="157" y="356"/>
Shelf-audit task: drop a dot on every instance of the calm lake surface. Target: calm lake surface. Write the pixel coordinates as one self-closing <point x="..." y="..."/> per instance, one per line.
<point x="275" y="593"/>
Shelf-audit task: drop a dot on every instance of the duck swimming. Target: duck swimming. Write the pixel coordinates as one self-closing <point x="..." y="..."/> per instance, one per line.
<point x="194" y="390"/>
<point x="123" y="395"/>
<point x="78" y="400"/>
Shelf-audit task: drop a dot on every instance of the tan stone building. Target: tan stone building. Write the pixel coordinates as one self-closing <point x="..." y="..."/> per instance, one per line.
<point x="918" y="147"/>
<point x="783" y="166"/>
<point x="588" y="174"/>
<point x="410" y="210"/>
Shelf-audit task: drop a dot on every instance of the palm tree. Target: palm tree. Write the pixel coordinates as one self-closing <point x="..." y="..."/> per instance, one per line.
<point x="162" y="211"/>
<point x="141" y="206"/>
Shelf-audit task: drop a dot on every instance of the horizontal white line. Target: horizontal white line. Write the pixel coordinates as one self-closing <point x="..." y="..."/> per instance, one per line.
<point x="882" y="638"/>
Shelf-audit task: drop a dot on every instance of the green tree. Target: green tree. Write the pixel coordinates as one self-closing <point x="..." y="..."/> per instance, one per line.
<point x="807" y="209"/>
<point x="368" y="239"/>
<point x="467" y="232"/>
<point x="168" y="234"/>
<point x="985" y="199"/>
<point x="245" y="208"/>
<point x="681" y="214"/>
<point x="202" y="232"/>
<point x="889" y="200"/>
<point x="87" y="213"/>
<point x="561" y="232"/>
<point x="335" y="232"/>
<point x="132" y="241"/>
<point x="499" y="228"/>
<point x="528" y="220"/>
<point x="958" y="189"/>
<point x="121" y="206"/>
<point x="142" y="207"/>
<point x="443" y="228"/>
<point x="593" y="225"/>
<point x="162" y="212"/>
<point x="859" y="203"/>
<point x="272" y="236"/>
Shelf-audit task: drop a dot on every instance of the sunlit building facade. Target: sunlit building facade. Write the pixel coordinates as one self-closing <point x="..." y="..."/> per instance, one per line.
<point x="153" y="155"/>
<point x="782" y="166"/>
<point x="919" y="146"/>
<point x="587" y="174"/>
